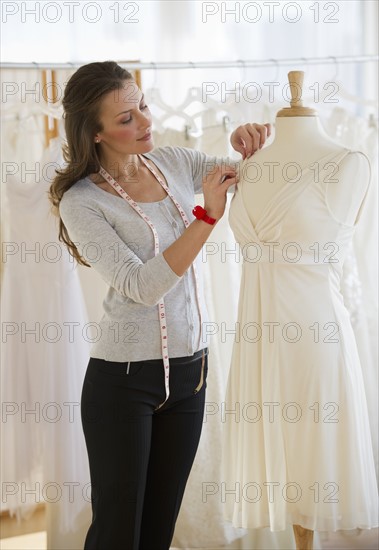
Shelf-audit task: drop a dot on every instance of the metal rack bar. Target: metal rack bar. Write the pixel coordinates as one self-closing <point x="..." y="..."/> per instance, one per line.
<point x="205" y="64"/>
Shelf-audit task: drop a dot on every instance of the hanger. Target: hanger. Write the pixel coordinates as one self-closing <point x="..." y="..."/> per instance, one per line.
<point x="195" y="94"/>
<point x="33" y="110"/>
<point x="223" y="113"/>
<point x="341" y="91"/>
<point x="153" y="97"/>
<point x="373" y="121"/>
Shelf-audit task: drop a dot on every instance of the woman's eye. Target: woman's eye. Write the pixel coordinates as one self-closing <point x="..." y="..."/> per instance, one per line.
<point x="130" y="119"/>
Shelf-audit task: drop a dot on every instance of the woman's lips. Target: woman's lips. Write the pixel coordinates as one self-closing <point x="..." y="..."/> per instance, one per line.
<point x="145" y="138"/>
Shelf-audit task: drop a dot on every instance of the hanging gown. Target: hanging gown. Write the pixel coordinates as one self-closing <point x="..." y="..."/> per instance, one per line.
<point x="297" y="447"/>
<point x="360" y="280"/>
<point x="44" y="355"/>
<point x="200" y="521"/>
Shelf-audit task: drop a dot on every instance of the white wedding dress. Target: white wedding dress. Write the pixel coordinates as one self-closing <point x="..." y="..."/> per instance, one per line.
<point x="297" y="447"/>
<point x="44" y="355"/>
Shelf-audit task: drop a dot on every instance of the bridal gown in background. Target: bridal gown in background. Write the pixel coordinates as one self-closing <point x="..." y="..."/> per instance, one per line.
<point x="297" y="447"/>
<point x="44" y="354"/>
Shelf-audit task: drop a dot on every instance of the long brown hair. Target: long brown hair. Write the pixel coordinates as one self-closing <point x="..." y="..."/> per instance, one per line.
<point x="81" y="105"/>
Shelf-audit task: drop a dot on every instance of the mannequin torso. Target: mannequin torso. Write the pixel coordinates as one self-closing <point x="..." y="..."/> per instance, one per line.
<point x="301" y="142"/>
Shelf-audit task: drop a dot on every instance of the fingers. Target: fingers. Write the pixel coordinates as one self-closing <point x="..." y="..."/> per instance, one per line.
<point x="255" y="134"/>
<point x="221" y="171"/>
<point x="249" y="138"/>
<point x="238" y="143"/>
<point x="258" y="134"/>
<point x="225" y="168"/>
<point x="227" y="173"/>
<point x="229" y="182"/>
<point x="268" y="126"/>
<point x="246" y="140"/>
<point x="220" y="180"/>
<point x="265" y="131"/>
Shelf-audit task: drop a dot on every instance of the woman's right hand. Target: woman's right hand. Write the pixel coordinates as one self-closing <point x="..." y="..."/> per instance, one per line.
<point x="215" y="187"/>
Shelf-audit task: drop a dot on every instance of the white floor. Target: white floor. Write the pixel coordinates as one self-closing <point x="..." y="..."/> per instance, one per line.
<point x="366" y="540"/>
<point x="32" y="541"/>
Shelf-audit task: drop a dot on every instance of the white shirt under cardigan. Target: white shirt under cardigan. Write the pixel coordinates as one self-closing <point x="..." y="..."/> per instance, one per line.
<point x="113" y="238"/>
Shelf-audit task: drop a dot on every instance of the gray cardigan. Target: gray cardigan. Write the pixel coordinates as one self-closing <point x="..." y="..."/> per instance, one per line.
<point x="119" y="245"/>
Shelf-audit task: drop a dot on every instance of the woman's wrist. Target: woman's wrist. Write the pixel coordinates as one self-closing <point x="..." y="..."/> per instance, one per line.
<point x="213" y="213"/>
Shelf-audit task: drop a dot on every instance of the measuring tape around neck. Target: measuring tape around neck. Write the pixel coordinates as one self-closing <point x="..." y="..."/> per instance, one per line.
<point x="161" y="305"/>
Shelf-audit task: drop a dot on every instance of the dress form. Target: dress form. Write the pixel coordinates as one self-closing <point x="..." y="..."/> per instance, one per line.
<point x="300" y="142"/>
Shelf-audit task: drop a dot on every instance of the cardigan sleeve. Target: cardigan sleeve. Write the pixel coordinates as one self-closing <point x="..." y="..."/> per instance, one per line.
<point x="194" y="164"/>
<point x="97" y="242"/>
<point x="202" y="163"/>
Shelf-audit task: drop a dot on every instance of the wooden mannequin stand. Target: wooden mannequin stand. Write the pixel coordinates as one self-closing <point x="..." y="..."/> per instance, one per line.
<point x="303" y="536"/>
<point x="295" y="79"/>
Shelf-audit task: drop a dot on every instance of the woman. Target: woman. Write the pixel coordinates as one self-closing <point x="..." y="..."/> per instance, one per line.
<point x="127" y="211"/>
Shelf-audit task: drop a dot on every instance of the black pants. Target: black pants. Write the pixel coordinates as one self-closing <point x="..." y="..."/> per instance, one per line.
<point x="139" y="457"/>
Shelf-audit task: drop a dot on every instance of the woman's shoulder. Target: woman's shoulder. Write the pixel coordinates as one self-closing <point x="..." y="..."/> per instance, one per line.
<point x="80" y="192"/>
<point x="173" y="154"/>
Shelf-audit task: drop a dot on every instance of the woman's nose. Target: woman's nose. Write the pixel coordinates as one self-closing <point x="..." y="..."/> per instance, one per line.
<point x="145" y="121"/>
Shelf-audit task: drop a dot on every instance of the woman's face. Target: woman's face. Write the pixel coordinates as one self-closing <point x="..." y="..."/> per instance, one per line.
<point x="126" y="121"/>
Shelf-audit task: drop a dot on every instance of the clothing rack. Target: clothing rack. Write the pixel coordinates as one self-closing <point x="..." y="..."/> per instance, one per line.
<point x="49" y="81"/>
<point x="290" y="62"/>
<point x="51" y="126"/>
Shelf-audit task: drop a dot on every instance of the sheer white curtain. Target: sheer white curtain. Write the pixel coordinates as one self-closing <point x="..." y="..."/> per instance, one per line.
<point x="189" y="30"/>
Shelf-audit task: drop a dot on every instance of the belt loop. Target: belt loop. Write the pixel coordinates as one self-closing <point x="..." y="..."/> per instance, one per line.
<point x="128" y="367"/>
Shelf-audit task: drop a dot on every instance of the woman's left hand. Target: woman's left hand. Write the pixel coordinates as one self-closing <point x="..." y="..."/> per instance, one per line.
<point x="249" y="138"/>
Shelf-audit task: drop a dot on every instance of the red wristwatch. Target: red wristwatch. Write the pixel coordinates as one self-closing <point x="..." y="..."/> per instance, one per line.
<point x="201" y="214"/>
